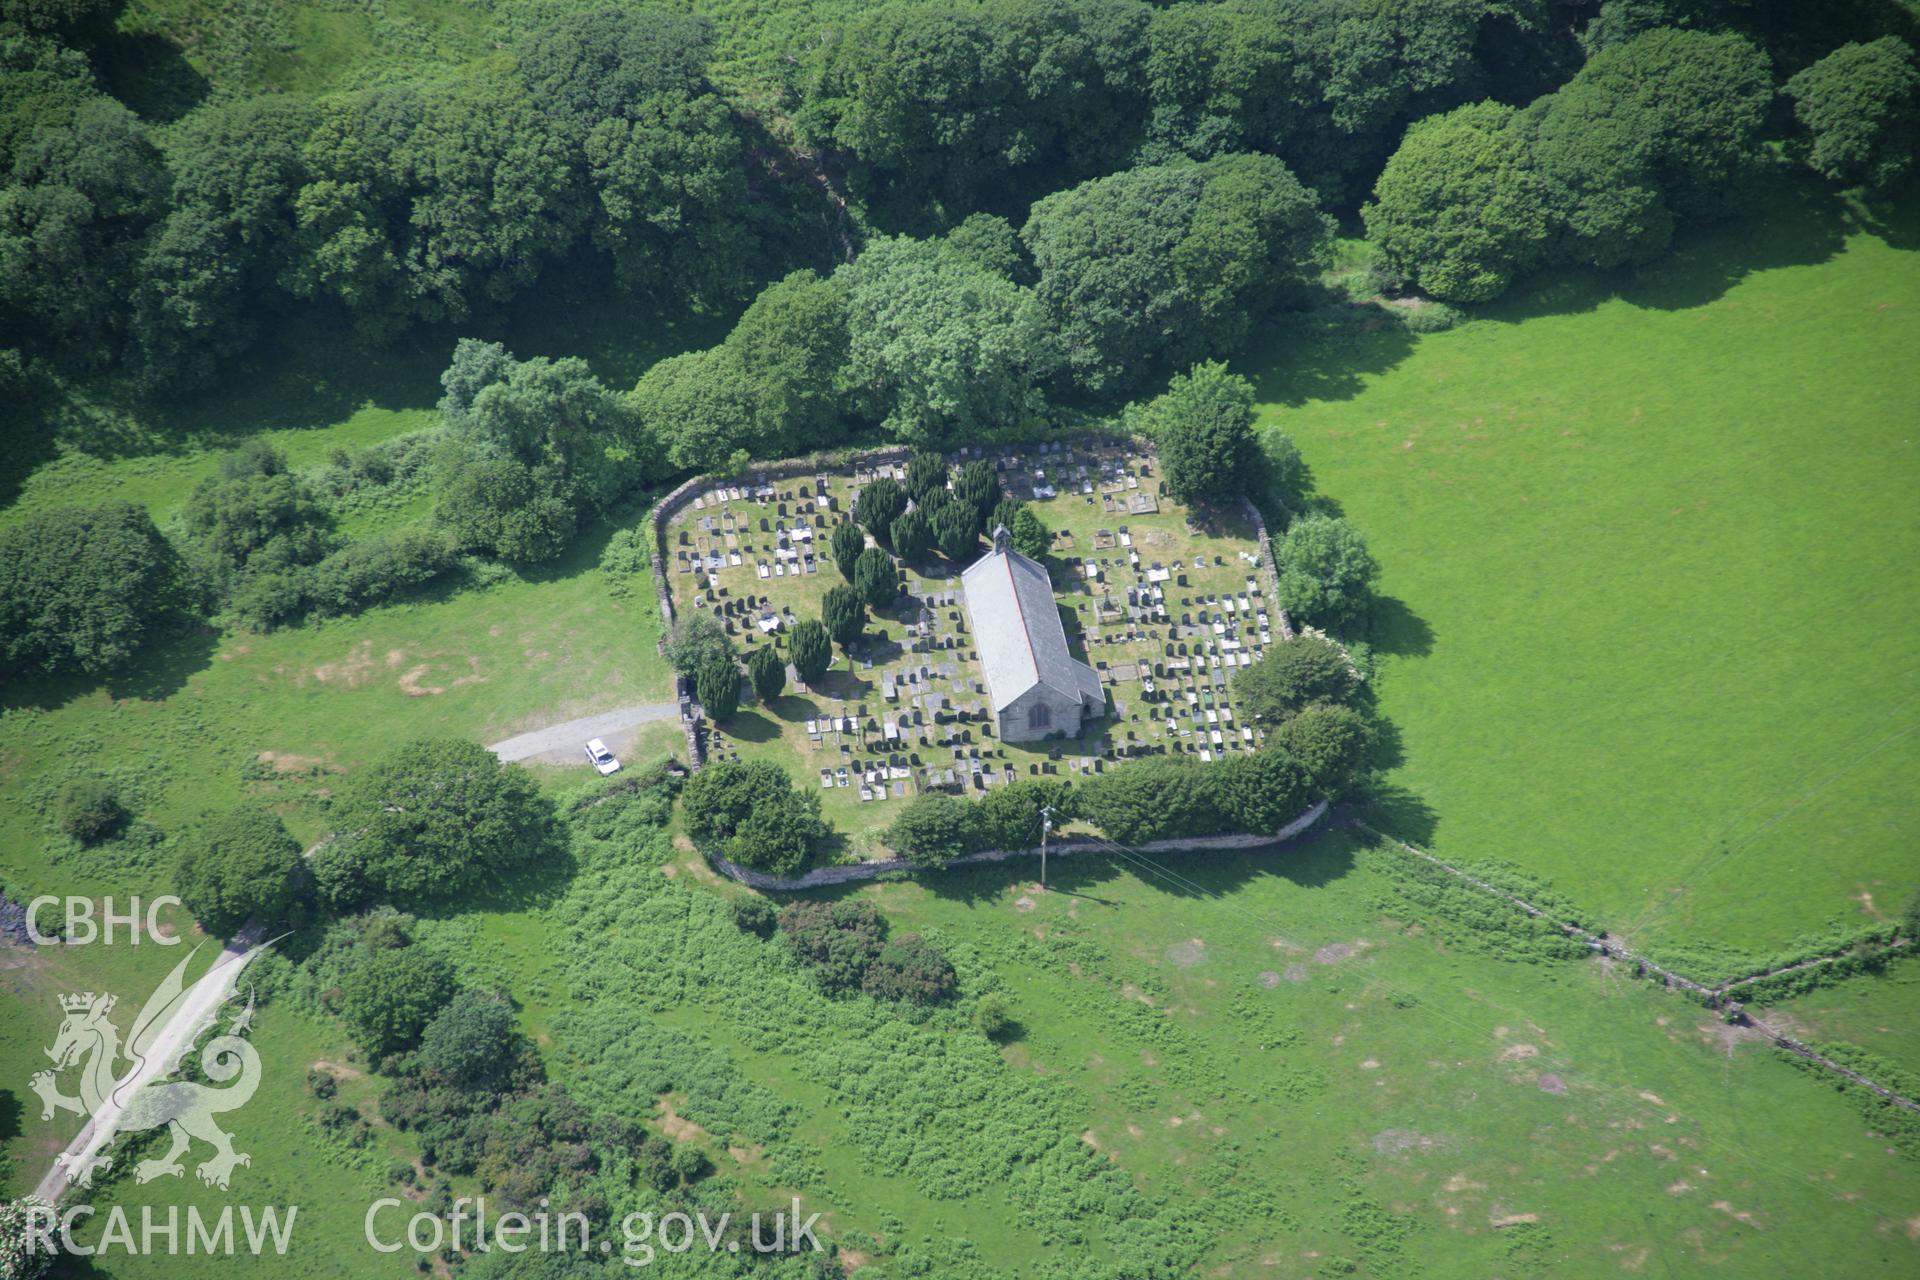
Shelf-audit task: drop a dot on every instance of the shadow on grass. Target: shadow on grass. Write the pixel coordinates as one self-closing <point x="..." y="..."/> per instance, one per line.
<point x="793" y="707"/>
<point x="1388" y="751"/>
<point x="847" y="686"/>
<point x="1311" y="861"/>
<point x="1800" y="221"/>
<point x="1011" y="1032"/>
<point x="1398" y="812"/>
<point x="535" y="885"/>
<point x="11" y="1113"/>
<point x="311" y="370"/>
<point x="168" y="666"/>
<point x="1894" y="216"/>
<point x="1329" y="352"/>
<point x="747" y="725"/>
<point x="150" y="74"/>
<point x="158" y="671"/>
<point x="1392" y="627"/>
<point x="28" y="443"/>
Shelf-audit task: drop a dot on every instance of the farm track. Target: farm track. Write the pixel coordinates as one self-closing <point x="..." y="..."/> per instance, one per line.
<point x="203" y="1002"/>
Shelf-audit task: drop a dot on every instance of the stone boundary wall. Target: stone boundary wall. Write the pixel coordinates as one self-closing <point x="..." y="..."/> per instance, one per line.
<point x="689" y="723"/>
<point x="845" y="462"/>
<point x="1269" y="575"/>
<point x="849" y="873"/>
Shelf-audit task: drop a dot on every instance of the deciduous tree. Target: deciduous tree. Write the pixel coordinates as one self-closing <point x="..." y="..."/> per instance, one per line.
<point x="1013" y="813"/>
<point x="754" y="812"/>
<point x="942" y="349"/>
<point x="1860" y="106"/>
<point x="1461" y="208"/>
<point x="433" y="816"/>
<point x="908" y="967"/>
<point x="935" y="828"/>
<point x="1326" y="573"/>
<point x="1171" y="263"/>
<point x="1260" y="792"/>
<point x="253" y="509"/>
<point x="81" y="588"/>
<point x="503" y="507"/>
<point x="553" y="416"/>
<point x="471" y="1042"/>
<point x="86" y="187"/>
<point x="390" y="995"/>
<point x="837" y="940"/>
<point x="89" y="809"/>
<point x="698" y="639"/>
<point x="1330" y="743"/>
<point x="1203" y="424"/>
<point x="991" y="1017"/>
<point x="1666" y="126"/>
<point x="1293" y="675"/>
<point x="240" y="866"/>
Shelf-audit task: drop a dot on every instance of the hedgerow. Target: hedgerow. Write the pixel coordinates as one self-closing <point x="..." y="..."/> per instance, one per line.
<point x="1898" y="1125"/>
<point x="1417" y="891"/>
<point x="1835" y="957"/>
<point x="1711" y="962"/>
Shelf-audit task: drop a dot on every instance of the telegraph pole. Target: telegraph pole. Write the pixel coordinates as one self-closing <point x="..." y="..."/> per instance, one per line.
<point x="1046" y="828"/>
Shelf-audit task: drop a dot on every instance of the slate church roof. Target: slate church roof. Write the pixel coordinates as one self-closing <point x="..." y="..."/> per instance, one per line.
<point x="1018" y="631"/>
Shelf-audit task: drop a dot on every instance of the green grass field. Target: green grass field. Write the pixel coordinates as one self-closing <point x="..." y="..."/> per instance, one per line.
<point x="186" y="722"/>
<point x="1648" y="568"/>
<point x="1505" y="1119"/>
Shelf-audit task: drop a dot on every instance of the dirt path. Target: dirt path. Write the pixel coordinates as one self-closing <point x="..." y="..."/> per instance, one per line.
<point x="570" y="739"/>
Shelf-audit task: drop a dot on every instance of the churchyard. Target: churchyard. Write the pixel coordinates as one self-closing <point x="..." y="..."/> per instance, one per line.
<point x="1163" y="602"/>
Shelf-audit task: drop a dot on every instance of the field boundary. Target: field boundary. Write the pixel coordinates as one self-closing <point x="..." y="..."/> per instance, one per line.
<point x="852" y="872"/>
<point x="1711" y="996"/>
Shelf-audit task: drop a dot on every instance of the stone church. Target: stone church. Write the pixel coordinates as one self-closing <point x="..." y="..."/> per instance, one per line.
<point x="1037" y="687"/>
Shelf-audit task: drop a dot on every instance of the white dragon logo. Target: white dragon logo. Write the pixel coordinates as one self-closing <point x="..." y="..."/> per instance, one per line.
<point x="140" y="1098"/>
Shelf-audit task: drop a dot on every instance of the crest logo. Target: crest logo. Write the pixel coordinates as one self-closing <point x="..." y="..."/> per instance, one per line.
<point x="140" y="1095"/>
